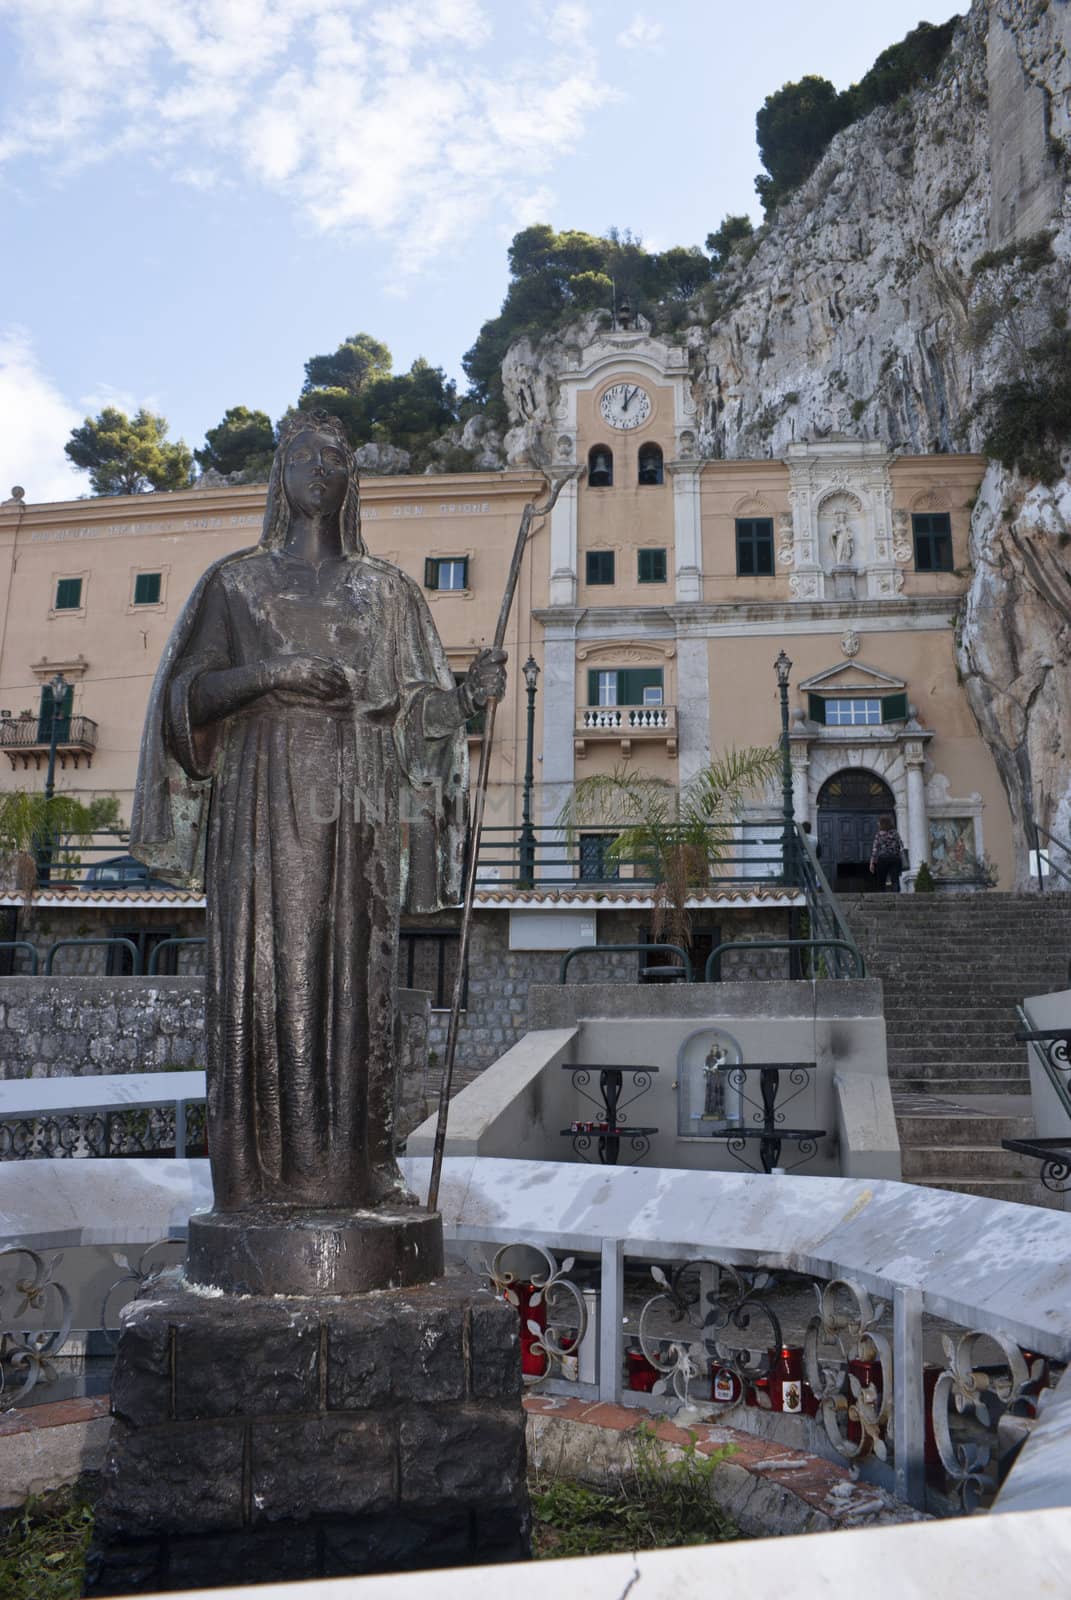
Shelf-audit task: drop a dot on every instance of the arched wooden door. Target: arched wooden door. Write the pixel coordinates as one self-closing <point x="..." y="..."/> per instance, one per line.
<point x="849" y="804"/>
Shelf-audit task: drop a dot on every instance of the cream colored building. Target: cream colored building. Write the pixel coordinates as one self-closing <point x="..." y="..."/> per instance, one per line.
<point x="654" y="600"/>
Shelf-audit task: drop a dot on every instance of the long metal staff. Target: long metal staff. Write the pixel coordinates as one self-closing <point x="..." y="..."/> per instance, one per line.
<point x="528" y="516"/>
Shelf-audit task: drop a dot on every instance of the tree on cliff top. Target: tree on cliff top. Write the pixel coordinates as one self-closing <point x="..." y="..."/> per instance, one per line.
<point x="376" y="405"/>
<point x="129" y="455"/>
<point x="796" y="123"/>
<point x="243" y="442"/>
<point x="555" y="277"/>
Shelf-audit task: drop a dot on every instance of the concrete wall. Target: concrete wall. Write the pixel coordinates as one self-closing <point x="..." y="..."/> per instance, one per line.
<point x="522" y="1103"/>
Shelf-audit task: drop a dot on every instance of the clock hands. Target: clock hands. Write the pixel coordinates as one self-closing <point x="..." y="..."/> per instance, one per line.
<point x="629" y="395"/>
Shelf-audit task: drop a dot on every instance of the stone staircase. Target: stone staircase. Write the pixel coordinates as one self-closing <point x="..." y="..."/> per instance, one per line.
<point x="953" y="968"/>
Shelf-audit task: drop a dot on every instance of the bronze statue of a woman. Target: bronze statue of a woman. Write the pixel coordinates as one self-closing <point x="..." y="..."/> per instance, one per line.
<point x="304" y="750"/>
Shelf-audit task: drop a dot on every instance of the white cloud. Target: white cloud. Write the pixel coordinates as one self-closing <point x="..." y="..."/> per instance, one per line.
<point x="35" y="421"/>
<point x="408" y="119"/>
<point x="641" y="34"/>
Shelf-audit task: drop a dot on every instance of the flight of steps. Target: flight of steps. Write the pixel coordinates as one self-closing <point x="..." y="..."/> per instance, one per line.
<point x="953" y="968"/>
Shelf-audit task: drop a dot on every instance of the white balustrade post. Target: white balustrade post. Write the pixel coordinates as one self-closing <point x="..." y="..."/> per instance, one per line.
<point x="611" y="1314"/>
<point x="909" y="1400"/>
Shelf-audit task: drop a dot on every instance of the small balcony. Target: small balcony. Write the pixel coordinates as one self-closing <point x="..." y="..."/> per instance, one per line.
<point x="625" y="724"/>
<point x="28" y="739"/>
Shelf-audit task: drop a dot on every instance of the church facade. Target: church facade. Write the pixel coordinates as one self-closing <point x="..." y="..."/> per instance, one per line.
<point x="654" y="601"/>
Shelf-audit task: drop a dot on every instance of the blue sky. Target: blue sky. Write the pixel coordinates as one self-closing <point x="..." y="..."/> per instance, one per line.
<point x="199" y="196"/>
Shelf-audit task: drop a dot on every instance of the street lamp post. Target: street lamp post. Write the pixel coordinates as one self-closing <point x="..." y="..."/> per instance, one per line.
<point x="783" y="667"/>
<point x="59" y="686"/>
<point x="528" y="839"/>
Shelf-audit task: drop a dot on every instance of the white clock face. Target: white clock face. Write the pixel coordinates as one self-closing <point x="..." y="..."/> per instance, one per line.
<point x="625" y="405"/>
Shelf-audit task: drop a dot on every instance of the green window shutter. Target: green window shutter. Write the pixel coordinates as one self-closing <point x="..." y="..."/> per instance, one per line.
<point x="632" y="681"/>
<point x="431" y="572"/>
<point x="651" y="566"/>
<point x="68" y="594"/>
<point x="816" y="708"/>
<point x="147" y="589"/>
<point x="63" y="714"/>
<point x="593" y="686"/>
<point x="464" y="572"/>
<point x="894" y="708"/>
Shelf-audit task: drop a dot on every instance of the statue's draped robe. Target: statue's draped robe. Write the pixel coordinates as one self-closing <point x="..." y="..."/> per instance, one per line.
<point x="313" y="819"/>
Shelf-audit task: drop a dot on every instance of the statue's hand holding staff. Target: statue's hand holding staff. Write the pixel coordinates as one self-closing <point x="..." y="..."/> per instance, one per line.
<point x="486" y="677"/>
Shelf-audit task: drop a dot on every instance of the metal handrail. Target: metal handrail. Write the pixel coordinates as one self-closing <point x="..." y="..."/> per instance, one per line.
<point x="1063" y="1093"/>
<point x="22" y="944"/>
<point x="1060" y="844"/>
<point x="786" y="944"/>
<point x="601" y="949"/>
<point x="560" y="859"/>
<point x="65" y="944"/>
<point x="153" y="969"/>
<point x="823" y="908"/>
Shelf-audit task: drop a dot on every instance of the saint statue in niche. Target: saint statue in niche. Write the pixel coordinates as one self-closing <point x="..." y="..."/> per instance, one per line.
<point x="304" y="757"/>
<point x="842" y="538"/>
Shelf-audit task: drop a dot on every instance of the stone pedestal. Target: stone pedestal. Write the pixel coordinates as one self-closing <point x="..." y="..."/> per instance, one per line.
<point x="283" y="1250"/>
<point x="259" y="1439"/>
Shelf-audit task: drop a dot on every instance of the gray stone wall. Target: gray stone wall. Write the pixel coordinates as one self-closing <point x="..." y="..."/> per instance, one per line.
<point x="72" y="1026"/>
<point x="78" y="1023"/>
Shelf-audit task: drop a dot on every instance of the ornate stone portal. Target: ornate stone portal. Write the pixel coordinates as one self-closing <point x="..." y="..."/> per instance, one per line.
<point x="304" y="755"/>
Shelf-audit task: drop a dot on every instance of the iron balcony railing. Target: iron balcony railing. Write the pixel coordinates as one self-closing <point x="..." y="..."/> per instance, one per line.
<point x="743" y="853"/>
<point x="28" y="733"/>
<point x="1044" y="865"/>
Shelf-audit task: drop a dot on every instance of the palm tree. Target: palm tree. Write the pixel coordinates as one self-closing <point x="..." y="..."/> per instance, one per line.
<point x="680" y="833"/>
<point x="29" y="823"/>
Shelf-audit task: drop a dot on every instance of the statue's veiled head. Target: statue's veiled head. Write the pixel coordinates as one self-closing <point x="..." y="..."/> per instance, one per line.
<point x="313" y="472"/>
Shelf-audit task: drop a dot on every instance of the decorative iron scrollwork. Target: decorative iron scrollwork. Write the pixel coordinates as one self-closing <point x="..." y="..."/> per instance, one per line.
<point x="26" y="1355"/>
<point x="145" y="1273"/>
<point x="855" y="1390"/>
<point x="676" y="1360"/>
<point x="734" y="1304"/>
<point x="985" y="1393"/>
<point x="557" y="1339"/>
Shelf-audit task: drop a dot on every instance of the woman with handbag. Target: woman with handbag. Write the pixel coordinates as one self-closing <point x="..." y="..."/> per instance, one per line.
<point x="887" y="855"/>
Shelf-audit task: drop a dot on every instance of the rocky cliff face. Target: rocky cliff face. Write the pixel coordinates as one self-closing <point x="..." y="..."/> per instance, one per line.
<point x="883" y="301"/>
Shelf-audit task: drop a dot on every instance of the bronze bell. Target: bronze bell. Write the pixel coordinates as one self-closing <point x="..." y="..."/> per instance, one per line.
<point x="601" y="471"/>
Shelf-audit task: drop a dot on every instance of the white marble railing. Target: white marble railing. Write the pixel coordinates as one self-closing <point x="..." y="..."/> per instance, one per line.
<point x="626" y="719"/>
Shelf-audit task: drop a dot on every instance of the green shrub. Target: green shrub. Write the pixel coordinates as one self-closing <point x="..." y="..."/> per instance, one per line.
<point x="924" y="883"/>
<point x="1028" y="419"/>
<point x="1030" y="254"/>
<point x="658" y="1505"/>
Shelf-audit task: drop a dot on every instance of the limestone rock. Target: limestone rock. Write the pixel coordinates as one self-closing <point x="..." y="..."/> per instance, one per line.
<point x="381" y="460"/>
<point x="1014" y="645"/>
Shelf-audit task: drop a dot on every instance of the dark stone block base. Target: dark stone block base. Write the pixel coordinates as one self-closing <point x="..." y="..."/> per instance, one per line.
<point x="263" y="1439"/>
<point x="285" y="1250"/>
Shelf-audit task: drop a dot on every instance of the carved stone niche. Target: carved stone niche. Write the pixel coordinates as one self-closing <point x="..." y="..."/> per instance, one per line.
<point x="840" y="531"/>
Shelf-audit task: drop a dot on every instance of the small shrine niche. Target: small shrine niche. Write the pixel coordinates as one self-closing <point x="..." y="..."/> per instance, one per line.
<point x="707" y="1102"/>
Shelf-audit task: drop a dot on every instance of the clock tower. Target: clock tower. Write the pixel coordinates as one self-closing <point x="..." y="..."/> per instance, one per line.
<point x="625" y="411"/>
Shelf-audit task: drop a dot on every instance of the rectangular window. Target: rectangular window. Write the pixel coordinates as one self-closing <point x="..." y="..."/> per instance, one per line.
<point x="854" y="713"/>
<point x="427" y="959"/>
<point x="600" y="566"/>
<point x="594" y="866"/>
<point x="652" y="566"/>
<point x="68" y="594"/>
<point x="754" y="547"/>
<point x="857" y="711"/>
<point x="624" y="686"/>
<point x="147" y="589"/>
<point x="933" y="541"/>
<point x="446" y="572"/>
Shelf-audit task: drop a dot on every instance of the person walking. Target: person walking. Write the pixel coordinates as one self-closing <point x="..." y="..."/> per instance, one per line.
<point x="887" y="855"/>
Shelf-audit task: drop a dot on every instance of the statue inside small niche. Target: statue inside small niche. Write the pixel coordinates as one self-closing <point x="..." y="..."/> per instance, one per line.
<point x="843" y="539"/>
<point x="714" y="1088"/>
